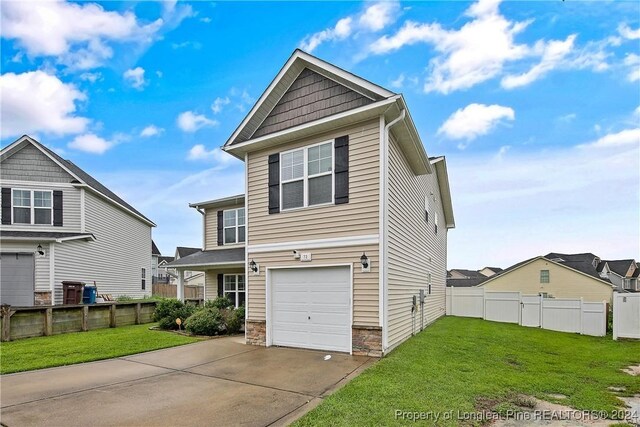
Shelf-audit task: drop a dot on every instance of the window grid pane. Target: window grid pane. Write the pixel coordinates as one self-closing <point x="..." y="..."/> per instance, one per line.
<point x="229" y="218"/>
<point x="241" y="234"/>
<point x="21" y="198"/>
<point x="22" y="215"/>
<point x="230" y="235"/>
<point x="42" y="199"/>
<point x="320" y="190"/>
<point x="293" y="195"/>
<point x="42" y="216"/>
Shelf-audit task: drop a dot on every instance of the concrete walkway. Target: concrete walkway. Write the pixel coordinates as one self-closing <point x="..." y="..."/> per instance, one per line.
<point x="215" y="382"/>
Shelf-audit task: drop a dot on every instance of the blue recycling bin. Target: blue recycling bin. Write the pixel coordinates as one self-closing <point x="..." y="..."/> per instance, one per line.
<point x="89" y="295"/>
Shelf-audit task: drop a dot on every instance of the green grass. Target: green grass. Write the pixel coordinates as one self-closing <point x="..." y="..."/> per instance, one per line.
<point x="66" y="349"/>
<point x="469" y="365"/>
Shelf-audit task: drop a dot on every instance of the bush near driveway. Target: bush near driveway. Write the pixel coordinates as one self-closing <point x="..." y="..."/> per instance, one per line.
<point x="466" y="365"/>
<point x="169" y="309"/>
<point x="216" y="317"/>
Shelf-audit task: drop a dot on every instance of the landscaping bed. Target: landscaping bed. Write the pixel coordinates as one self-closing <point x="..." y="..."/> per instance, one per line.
<point x="470" y="367"/>
<point x="67" y="349"/>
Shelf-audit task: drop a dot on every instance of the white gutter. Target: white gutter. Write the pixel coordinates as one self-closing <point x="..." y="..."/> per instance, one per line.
<point x="384" y="179"/>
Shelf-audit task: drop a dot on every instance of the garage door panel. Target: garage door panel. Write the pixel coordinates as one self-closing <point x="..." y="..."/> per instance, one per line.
<point x="16" y="279"/>
<point x="311" y="308"/>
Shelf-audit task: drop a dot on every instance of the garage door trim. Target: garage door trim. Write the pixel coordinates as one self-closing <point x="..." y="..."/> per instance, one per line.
<point x="268" y="289"/>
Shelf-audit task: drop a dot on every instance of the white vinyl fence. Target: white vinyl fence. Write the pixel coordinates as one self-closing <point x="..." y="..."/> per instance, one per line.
<point x="626" y="315"/>
<point x="565" y="315"/>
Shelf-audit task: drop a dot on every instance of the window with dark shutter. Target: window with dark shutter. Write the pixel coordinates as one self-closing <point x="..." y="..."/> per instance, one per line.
<point x="341" y="148"/>
<point x="6" y="206"/>
<point x="57" y="208"/>
<point x="274" y="183"/>
<point x="220" y="228"/>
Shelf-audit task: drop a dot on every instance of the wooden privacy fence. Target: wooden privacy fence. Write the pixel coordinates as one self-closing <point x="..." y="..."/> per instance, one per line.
<point x="171" y="291"/>
<point x="25" y="322"/>
<point x="626" y="315"/>
<point x="564" y="315"/>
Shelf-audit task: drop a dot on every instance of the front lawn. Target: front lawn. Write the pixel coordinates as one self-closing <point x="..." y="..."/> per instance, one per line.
<point x="468" y="365"/>
<point x="66" y="349"/>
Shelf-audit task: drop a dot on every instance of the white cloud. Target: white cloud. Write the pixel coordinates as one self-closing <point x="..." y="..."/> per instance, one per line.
<point x="474" y="120"/>
<point x="628" y="33"/>
<point x="397" y="83"/>
<point x="192" y="44"/>
<point x="567" y="118"/>
<point x="151" y="130"/>
<point x="91" y="77"/>
<point x="199" y="152"/>
<point x="91" y="143"/>
<point x="135" y="77"/>
<point x="219" y="103"/>
<point x="191" y="122"/>
<point x="39" y="102"/>
<point x="77" y="35"/>
<point x="339" y="32"/>
<point x="468" y="56"/>
<point x="379" y="15"/>
<point x="553" y="53"/>
<point x="632" y="61"/>
<point x="206" y="20"/>
<point x="622" y="138"/>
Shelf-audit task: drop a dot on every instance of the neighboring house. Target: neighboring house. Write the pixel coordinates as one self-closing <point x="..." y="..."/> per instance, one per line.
<point x="60" y="224"/>
<point x="155" y="255"/>
<point x="490" y="271"/>
<point x="166" y="275"/>
<point x="622" y="273"/>
<point x="555" y="276"/>
<point x="458" y="273"/>
<point x="458" y="277"/>
<point x="344" y="222"/>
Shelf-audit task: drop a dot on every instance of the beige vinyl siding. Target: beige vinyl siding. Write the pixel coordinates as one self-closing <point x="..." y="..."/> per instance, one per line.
<point x="211" y="226"/>
<point x="563" y="282"/>
<point x="70" y="207"/>
<point x="115" y="260"/>
<point x="365" y="285"/>
<point x="414" y="249"/>
<point x="358" y="217"/>
<point x="42" y="262"/>
<point x="211" y="280"/>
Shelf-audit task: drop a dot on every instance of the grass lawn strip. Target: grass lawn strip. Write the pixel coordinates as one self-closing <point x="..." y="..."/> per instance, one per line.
<point x="67" y="349"/>
<point x="459" y="364"/>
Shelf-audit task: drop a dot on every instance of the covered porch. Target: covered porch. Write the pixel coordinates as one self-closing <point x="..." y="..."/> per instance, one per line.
<point x="224" y="271"/>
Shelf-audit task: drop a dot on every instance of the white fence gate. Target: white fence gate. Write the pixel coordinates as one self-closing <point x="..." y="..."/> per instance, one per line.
<point x="564" y="315"/>
<point x="626" y="316"/>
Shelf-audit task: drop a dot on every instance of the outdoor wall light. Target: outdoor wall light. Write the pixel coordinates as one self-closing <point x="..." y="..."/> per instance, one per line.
<point x="366" y="265"/>
<point x="40" y="250"/>
<point x="253" y="266"/>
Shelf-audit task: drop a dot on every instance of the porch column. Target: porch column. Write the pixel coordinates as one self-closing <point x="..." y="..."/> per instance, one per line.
<point x="181" y="285"/>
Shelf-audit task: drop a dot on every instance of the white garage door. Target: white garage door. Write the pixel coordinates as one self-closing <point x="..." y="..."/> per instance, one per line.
<point x="16" y="279"/>
<point x="310" y="308"/>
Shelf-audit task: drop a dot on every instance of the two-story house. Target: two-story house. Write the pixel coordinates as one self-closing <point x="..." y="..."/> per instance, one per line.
<point x="344" y="220"/>
<point x="623" y="273"/>
<point x="60" y="224"/>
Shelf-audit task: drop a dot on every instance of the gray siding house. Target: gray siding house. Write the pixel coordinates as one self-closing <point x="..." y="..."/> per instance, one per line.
<point x="60" y="224"/>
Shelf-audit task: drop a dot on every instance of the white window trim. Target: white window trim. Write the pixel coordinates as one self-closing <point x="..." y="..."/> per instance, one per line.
<point x="32" y="207"/>
<point x="305" y="176"/>
<point x="236" y="292"/>
<point x="143" y="279"/>
<point x="548" y="277"/>
<point x="236" y="226"/>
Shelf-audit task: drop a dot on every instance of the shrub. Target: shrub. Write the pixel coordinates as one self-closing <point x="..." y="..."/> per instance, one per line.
<point x="206" y="321"/>
<point x="168" y="310"/>
<point x="220" y="303"/>
<point x="235" y="321"/>
<point x="123" y="298"/>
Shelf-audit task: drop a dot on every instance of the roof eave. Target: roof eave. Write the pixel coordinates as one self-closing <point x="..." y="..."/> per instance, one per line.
<point x="225" y="201"/>
<point x="445" y="191"/>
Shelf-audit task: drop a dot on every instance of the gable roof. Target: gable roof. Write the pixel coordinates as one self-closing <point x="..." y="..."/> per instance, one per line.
<point x="620" y="266"/>
<point x="582" y="262"/>
<point x="469" y="273"/>
<point x="465" y="283"/>
<point x="154" y="249"/>
<point x="182" y="251"/>
<point x="383" y="102"/>
<point x="79" y="175"/>
<point x="165" y="259"/>
<point x="571" y="265"/>
<point x="494" y="269"/>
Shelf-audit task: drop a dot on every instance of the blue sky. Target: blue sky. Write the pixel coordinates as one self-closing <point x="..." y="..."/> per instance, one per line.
<point x="535" y="104"/>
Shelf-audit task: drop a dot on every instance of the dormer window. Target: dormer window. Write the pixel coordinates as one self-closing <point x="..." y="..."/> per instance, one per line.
<point x="32" y="207"/>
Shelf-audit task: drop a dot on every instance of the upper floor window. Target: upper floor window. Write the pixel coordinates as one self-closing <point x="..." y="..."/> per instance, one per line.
<point x="307" y="176"/>
<point x="426" y="209"/>
<point x="143" y="281"/>
<point x="544" y="276"/>
<point x="435" y="222"/>
<point x="32" y="207"/>
<point x="234" y="226"/>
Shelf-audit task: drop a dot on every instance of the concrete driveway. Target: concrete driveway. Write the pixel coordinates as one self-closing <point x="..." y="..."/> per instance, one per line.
<point x="214" y="382"/>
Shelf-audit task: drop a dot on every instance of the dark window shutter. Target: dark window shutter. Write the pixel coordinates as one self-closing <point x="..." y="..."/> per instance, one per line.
<point x="57" y="208"/>
<point x="6" y="206"/>
<point x="341" y="148"/>
<point x="274" y="183"/>
<point x="220" y="285"/>
<point x="220" y="228"/>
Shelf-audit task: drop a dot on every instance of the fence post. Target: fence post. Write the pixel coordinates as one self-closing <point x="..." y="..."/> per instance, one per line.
<point x="6" y="313"/>
<point x="85" y="318"/>
<point x="581" y="321"/>
<point x="48" y="321"/>
<point x="541" y="310"/>
<point x="520" y="305"/>
<point x="484" y="304"/>
<point x="138" y="307"/>
<point x="615" y="316"/>
<point x="112" y="316"/>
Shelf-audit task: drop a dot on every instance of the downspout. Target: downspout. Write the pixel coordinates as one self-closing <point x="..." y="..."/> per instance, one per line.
<point x="204" y="243"/>
<point x="385" y="220"/>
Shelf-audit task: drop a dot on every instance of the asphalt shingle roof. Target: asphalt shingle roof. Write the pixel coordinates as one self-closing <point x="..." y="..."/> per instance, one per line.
<point x="184" y="251"/>
<point x="212" y="257"/>
<point x="465" y="283"/>
<point x="620" y="266"/>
